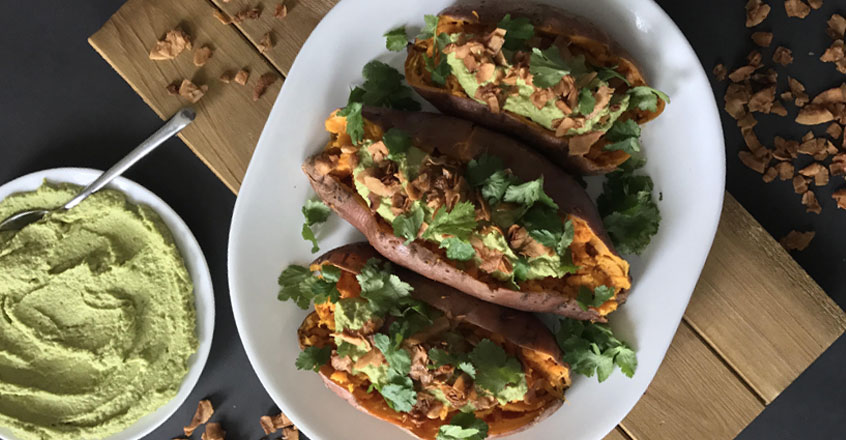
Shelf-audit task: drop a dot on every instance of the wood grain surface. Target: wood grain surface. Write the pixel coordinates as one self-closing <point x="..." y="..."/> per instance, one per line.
<point x="755" y="322"/>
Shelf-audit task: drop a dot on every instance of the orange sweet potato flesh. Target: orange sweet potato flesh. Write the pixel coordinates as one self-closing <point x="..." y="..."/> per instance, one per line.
<point x="463" y="140"/>
<point x="535" y="345"/>
<point x="548" y="21"/>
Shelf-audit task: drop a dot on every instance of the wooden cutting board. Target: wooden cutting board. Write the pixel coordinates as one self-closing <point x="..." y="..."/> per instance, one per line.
<point x="756" y="319"/>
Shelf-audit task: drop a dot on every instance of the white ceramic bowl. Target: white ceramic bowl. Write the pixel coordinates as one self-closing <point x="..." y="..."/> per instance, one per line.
<point x="686" y="161"/>
<point x="195" y="262"/>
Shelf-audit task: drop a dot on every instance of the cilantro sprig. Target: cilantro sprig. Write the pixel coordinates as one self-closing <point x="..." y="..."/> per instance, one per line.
<point x="430" y="23"/>
<point x="646" y="98"/>
<point x="396" y="39"/>
<point x="593" y="298"/>
<point x="463" y="426"/>
<point x="436" y="65"/>
<point x="625" y="136"/>
<point x="301" y="285"/>
<point x="547" y="67"/>
<point x="629" y="211"/>
<point x="383" y="87"/>
<point x="498" y="373"/>
<point x="592" y="348"/>
<point x="314" y="212"/>
<point x="312" y="358"/>
<point x="458" y="222"/>
<point x="408" y="225"/>
<point x="517" y="31"/>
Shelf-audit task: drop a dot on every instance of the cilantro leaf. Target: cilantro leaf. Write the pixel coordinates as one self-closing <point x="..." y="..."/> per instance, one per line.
<point x="460" y="361"/>
<point x="496" y="371"/>
<point x="521" y="269"/>
<point x="458" y="249"/>
<point x="566" y="240"/>
<point x="624" y="135"/>
<point x="517" y="31"/>
<point x="595" y="298"/>
<point x="398" y="359"/>
<point x="322" y="290"/>
<point x="463" y="426"/>
<point x="312" y="358"/>
<point x="408" y="225"/>
<point x="586" y="101"/>
<point x="529" y="193"/>
<point x="459" y="222"/>
<point x="397" y="141"/>
<point x="330" y="273"/>
<point x="315" y="212"/>
<point x="353" y="313"/>
<point x="547" y="66"/>
<point x="607" y="73"/>
<point x="355" y="121"/>
<point x="592" y="348"/>
<point x="430" y="24"/>
<point x="479" y="170"/>
<point x="628" y="211"/>
<point x="384" y="290"/>
<point x="646" y="98"/>
<point x="396" y="39"/>
<point x="291" y="285"/>
<point x="399" y="393"/>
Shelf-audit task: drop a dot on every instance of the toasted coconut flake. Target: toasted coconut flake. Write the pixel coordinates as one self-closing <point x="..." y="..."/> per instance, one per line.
<point x="202" y="55"/>
<point x="786" y="96"/>
<point x="837" y="167"/>
<point x="813" y="114"/>
<point x="800" y="184"/>
<point x="784" y="149"/>
<point x="580" y="145"/>
<point x="762" y="100"/>
<point x="290" y="433"/>
<point x="191" y="91"/>
<point x="836" y="27"/>
<point x="281" y="11"/>
<point x="813" y="147"/>
<point x="736" y="98"/>
<point x="272" y="424"/>
<point x="785" y="170"/>
<point x="836" y="54"/>
<point x="172" y="89"/>
<point x="242" y="76"/>
<point x="266" y="42"/>
<point x="839" y="196"/>
<point x="762" y="39"/>
<point x="831" y="96"/>
<point x="540" y="97"/>
<point x="818" y="172"/>
<point x="249" y="13"/>
<point x="778" y="109"/>
<point x="720" y="72"/>
<point x="174" y="42"/>
<point x="783" y="56"/>
<point x="797" y="8"/>
<point x="741" y="73"/>
<point x="811" y="203"/>
<point x="770" y="175"/>
<point x="797" y="241"/>
<point x="485" y="72"/>
<point x="214" y="432"/>
<point x="564" y="125"/>
<point x="263" y="83"/>
<point x="815" y="4"/>
<point x="222" y="17"/>
<point x="808" y="136"/>
<point x="225" y="77"/>
<point x="768" y="76"/>
<point x="752" y="161"/>
<point x="751" y="140"/>
<point x="201" y="416"/>
<point x="756" y="12"/>
<point x="798" y="91"/>
<point x="754" y="59"/>
<point x="747" y="122"/>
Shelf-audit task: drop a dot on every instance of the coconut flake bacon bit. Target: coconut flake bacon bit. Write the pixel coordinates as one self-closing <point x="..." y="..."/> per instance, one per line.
<point x="272" y="424"/>
<point x="756" y="12"/>
<point x="214" y="432"/>
<point x="247" y="14"/>
<point x="796" y="8"/>
<point x="201" y="416"/>
<point x="242" y="76"/>
<point x="797" y="241"/>
<point x="174" y="42"/>
<point x="225" y="77"/>
<point x="762" y="39"/>
<point x="266" y="42"/>
<point x="836" y="54"/>
<point x="839" y="196"/>
<point x="811" y="203"/>
<point x="202" y="55"/>
<point x="783" y="56"/>
<point x="222" y="17"/>
<point x="191" y="91"/>
<point x="263" y="83"/>
<point x="720" y="72"/>
<point x="281" y="11"/>
<point x="836" y="27"/>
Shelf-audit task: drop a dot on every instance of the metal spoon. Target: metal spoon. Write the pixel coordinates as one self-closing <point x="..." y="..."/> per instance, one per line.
<point x="176" y="123"/>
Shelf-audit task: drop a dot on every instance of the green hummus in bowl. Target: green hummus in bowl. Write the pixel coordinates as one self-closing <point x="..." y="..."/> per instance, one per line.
<point x="106" y="311"/>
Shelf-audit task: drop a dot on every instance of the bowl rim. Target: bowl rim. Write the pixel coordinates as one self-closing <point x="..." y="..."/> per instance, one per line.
<point x="195" y="263"/>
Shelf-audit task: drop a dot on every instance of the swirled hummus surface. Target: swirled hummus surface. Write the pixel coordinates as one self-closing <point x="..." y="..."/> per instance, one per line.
<point x="97" y="318"/>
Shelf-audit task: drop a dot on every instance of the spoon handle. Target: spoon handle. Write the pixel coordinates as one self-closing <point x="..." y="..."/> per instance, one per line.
<point x="176" y="123"/>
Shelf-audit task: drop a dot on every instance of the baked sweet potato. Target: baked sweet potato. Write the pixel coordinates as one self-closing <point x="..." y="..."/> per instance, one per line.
<point x="528" y="237"/>
<point x="549" y="115"/>
<point x="428" y="350"/>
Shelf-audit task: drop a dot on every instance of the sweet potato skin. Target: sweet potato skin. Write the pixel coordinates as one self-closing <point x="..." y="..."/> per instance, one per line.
<point x="544" y="18"/>
<point x="464" y="140"/>
<point x="520" y="328"/>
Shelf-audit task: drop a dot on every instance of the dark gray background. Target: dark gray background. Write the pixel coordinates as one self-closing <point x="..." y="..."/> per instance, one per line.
<point x="62" y="105"/>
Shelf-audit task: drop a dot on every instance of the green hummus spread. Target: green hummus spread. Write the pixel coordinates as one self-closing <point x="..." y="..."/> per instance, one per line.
<point x="97" y="318"/>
